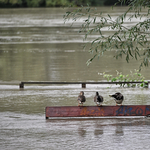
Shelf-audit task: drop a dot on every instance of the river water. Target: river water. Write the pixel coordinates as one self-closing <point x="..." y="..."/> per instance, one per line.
<point x="36" y="45"/>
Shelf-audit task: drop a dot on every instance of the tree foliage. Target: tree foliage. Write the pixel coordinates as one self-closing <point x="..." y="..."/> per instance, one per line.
<point x="133" y="41"/>
<point x="53" y="3"/>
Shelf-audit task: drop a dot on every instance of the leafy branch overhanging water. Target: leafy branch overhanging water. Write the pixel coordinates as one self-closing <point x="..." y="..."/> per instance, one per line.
<point x="132" y="42"/>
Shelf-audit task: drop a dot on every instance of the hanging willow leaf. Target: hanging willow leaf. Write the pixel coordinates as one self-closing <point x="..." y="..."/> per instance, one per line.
<point x="135" y="56"/>
<point x="109" y="16"/>
<point x="119" y="38"/>
<point x="129" y="51"/>
<point x="94" y="20"/>
<point x="91" y="59"/>
<point x="127" y="57"/>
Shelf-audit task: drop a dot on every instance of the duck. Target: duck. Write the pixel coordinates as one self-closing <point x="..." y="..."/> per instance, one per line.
<point x="98" y="99"/>
<point x="118" y="97"/>
<point x="81" y="98"/>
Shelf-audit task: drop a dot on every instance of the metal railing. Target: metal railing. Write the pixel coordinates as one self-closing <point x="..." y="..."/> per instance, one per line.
<point x="83" y="84"/>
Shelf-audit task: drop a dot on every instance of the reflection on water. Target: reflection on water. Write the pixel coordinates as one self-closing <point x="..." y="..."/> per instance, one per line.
<point x="119" y="130"/>
<point x="98" y="131"/>
<point x="82" y="132"/>
<point x="35" y="45"/>
<point x="33" y="132"/>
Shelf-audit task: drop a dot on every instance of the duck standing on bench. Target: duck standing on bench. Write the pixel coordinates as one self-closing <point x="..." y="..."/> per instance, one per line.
<point x="118" y="97"/>
<point x="81" y="98"/>
<point x="98" y="99"/>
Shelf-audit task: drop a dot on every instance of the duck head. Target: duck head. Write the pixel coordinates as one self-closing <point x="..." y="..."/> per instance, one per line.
<point x="81" y="93"/>
<point x="117" y="96"/>
<point x="97" y="93"/>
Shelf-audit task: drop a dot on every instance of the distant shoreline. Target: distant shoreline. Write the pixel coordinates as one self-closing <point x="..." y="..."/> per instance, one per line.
<point x="56" y="3"/>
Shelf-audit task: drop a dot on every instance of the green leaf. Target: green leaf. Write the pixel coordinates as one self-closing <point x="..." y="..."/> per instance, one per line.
<point x="109" y="16"/>
<point x="119" y="38"/>
<point x="127" y="58"/>
<point x="130" y="51"/>
<point x="135" y="56"/>
<point x="94" y="20"/>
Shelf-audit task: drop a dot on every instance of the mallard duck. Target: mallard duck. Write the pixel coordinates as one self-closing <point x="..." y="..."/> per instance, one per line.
<point x="81" y="98"/>
<point x="118" y="97"/>
<point x="98" y="99"/>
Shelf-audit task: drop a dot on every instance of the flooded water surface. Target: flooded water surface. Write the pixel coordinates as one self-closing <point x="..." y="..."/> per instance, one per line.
<point x="36" y="45"/>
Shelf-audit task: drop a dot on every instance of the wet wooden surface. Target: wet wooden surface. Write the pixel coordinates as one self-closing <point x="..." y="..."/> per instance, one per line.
<point x="97" y="111"/>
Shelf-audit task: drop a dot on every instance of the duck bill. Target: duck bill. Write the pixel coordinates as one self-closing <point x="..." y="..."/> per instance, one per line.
<point x="110" y="95"/>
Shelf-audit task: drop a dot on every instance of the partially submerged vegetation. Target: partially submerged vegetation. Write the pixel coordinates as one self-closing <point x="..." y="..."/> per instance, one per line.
<point x="133" y="76"/>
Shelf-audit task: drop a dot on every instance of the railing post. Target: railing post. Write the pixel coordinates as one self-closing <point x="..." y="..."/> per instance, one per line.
<point x="83" y="85"/>
<point x="21" y="85"/>
<point x="146" y="84"/>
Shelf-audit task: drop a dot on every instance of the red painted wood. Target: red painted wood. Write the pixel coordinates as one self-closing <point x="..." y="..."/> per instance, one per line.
<point x="97" y="111"/>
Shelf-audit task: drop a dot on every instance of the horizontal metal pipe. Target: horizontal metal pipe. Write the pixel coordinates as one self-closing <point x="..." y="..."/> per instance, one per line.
<point x="42" y="82"/>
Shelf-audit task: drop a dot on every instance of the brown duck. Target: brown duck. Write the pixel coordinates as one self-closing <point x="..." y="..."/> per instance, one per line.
<point x="81" y="98"/>
<point x="118" y="97"/>
<point x="98" y="99"/>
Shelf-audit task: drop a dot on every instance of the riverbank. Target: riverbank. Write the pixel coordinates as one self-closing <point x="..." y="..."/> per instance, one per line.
<point x="51" y="3"/>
